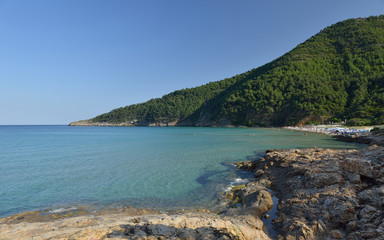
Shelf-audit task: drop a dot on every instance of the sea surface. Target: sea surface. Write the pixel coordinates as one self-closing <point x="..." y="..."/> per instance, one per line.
<point x="61" y="167"/>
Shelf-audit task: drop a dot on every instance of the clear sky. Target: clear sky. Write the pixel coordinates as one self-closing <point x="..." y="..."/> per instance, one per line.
<point x="68" y="60"/>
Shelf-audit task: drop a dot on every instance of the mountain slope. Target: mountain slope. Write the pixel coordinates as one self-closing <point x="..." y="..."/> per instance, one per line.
<point x="338" y="73"/>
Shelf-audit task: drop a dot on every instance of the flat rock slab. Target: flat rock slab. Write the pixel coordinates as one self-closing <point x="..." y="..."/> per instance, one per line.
<point x="189" y="225"/>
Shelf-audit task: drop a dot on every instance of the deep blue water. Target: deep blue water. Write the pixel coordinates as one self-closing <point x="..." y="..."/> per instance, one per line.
<point x="48" y="167"/>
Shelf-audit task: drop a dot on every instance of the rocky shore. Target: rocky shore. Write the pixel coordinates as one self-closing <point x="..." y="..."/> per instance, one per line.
<point x="374" y="138"/>
<point x="323" y="193"/>
<point x="132" y="223"/>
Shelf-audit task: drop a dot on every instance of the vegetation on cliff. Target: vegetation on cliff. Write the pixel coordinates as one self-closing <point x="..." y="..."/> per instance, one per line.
<point x="336" y="74"/>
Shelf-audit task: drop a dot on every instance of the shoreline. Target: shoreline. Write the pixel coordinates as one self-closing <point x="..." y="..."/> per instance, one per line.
<point x="291" y="187"/>
<point x="80" y="222"/>
<point x="333" y="130"/>
<point x="83" y="222"/>
<point x="131" y="223"/>
<point x="363" y="135"/>
<point x="246" y="205"/>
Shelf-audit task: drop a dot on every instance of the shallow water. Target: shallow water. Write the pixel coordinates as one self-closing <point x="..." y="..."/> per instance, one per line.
<point x="59" y="166"/>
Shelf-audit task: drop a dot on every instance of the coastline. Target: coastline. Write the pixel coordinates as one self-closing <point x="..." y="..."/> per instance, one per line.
<point x="82" y="222"/>
<point x="322" y="193"/>
<point x="245" y="205"/>
<point x="363" y="135"/>
<point x="132" y="223"/>
<point x="333" y="130"/>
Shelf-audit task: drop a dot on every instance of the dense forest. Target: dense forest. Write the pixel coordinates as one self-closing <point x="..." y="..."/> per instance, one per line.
<point x="335" y="75"/>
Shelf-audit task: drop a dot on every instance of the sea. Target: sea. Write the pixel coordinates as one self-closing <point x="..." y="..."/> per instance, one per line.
<point x="56" y="168"/>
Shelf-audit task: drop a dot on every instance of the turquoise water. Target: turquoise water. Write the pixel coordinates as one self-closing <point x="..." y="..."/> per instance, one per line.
<point x="58" y="166"/>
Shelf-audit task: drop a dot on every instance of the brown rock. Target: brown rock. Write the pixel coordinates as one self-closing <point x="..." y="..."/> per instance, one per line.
<point x="336" y="234"/>
<point x="368" y="214"/>
<point x="259" y="173"/>
<point x="189" y="225"/>
<point x="351" y="226"/>
<point x="360" y="166"/>
<point x="259" y="202"/>
<point x="324" y="179"/>
<point x="322" y="189"/>
<point x="343" y="213"/>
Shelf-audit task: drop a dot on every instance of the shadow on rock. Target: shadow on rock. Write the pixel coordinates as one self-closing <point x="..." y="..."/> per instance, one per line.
<point x="161" y="231"/>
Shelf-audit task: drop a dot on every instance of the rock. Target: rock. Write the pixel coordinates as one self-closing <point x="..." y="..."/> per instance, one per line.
<point x="342" y="213"/>
<point x="321" y="190"/>
<point x="253" y="187"/>
<point x="360" y="166"/>
<point x="353" y="177"/>
<point x="189" y="225"/>
<point x="351" y="226"/>
<point x="368" y="232"/>
<point x="258" y="202"/>
<point x="336" y="234"/>
<point x="324" y="179"/>
<point x="353" y="138"/>
<point x="368" y="214"/>
<point x="380" y="231"/>
<point x="246" y="165"/>
<point x="301" y="230"/>
<point x="372" y="196"/>
<point x="259" y="173"/>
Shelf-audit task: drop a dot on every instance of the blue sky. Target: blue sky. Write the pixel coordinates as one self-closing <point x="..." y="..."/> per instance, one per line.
<point x="68" y="60"/>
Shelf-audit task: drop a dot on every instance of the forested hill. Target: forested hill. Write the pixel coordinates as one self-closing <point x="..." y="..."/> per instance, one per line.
<point x="336" y="74"/>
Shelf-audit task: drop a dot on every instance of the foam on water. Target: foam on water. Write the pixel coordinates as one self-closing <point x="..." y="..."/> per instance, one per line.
<point x="236" y="182"/>
<point x="241" y="181"/>
<point x="60" y="210"/>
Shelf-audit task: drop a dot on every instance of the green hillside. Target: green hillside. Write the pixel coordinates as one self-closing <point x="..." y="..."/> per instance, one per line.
<point x="338" y="73"/>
